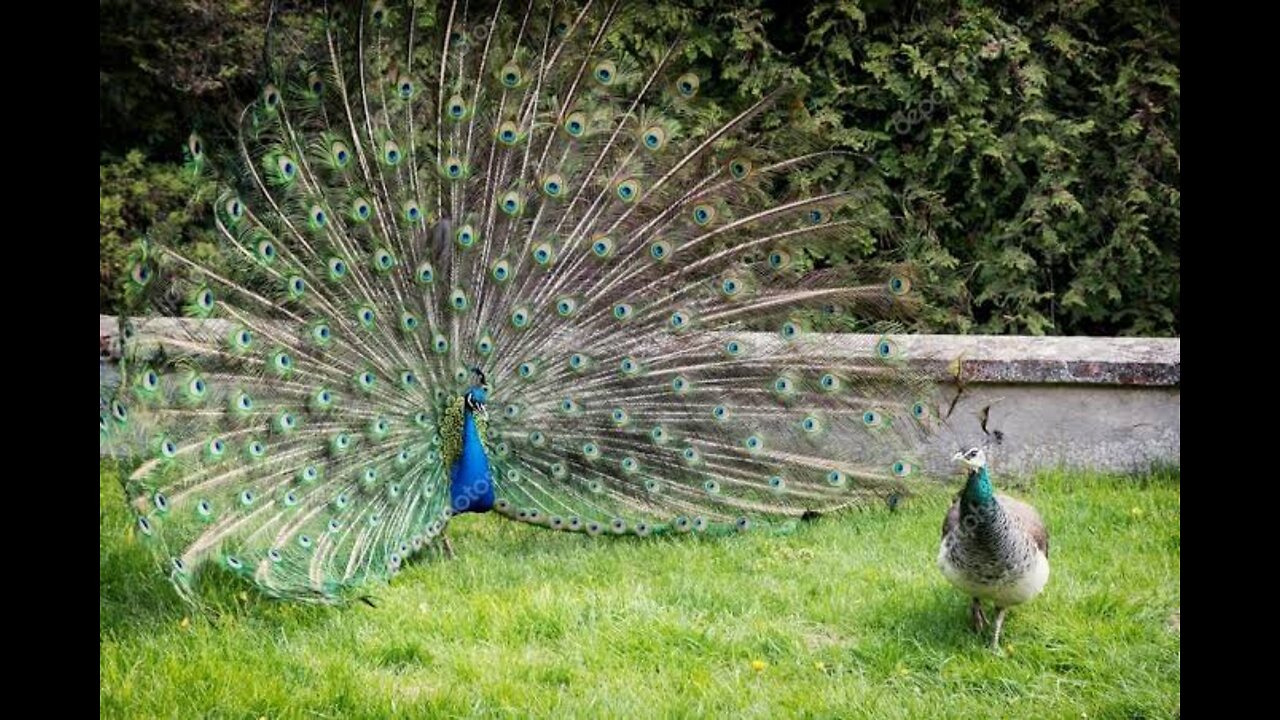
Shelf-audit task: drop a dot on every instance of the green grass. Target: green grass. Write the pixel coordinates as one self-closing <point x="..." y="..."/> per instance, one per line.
<point x="848" y="615"/>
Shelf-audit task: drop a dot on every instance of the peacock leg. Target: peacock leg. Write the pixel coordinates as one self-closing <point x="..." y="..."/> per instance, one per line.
<point x="977" y="618"/>
<point x="995" y="640"/>
<point x="446" y="546"/>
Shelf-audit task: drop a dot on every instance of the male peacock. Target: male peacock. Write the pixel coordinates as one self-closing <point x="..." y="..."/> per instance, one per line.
<point x="496" y="260"/>
<point x="994" y="548"/>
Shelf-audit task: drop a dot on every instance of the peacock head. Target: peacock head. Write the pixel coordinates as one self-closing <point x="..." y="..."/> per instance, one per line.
<point x="974" y="458"/>
<point x="478" y="395"/>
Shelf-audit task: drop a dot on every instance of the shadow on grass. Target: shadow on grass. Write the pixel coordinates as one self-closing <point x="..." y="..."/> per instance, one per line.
<point x="937" y="619"/>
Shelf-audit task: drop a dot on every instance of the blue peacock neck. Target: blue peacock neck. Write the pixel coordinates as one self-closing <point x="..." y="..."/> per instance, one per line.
<point x="471" y="478"/>
<point x="978" y="491"/>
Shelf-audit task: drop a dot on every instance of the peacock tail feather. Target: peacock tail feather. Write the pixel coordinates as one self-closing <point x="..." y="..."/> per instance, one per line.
<point x="432" y="193"/>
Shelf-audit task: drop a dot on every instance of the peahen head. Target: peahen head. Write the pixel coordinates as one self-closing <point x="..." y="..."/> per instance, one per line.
<point x="973" y="458"/>
<point x="978" y="489"/>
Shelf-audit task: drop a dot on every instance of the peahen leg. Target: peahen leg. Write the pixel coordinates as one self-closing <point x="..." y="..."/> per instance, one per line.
<point x="995" y="640"/>
<point x="977" y="618"/>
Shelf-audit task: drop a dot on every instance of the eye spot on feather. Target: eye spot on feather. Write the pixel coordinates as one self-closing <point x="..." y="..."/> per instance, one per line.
<point x="511" y="75"/>
<point x="508" y="133"/>
<point x="457" y="107"/>
<point x="602" y="247"/>
<point x="654" y="138"/>
<point x="687" y="85"/>
<point x="543" y="254"/>
<point x="576" y="124"/>
<point x="605" y="72"/>
<point x="465" y="237"/>
<point x="627" y="190"/>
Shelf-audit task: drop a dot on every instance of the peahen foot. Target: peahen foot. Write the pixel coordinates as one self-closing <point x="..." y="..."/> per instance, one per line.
<point x="977" y="618"/>
<point x="995" y="640"/>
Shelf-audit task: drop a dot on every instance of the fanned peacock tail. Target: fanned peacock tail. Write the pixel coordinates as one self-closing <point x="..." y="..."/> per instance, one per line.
<point x="435" y="195"/>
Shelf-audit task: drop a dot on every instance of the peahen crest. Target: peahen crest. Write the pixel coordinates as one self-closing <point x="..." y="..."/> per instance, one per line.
<point x="428" y="191"/>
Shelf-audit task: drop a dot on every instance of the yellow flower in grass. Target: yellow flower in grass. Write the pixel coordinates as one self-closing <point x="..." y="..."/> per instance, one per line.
<point x="758" y="665"/>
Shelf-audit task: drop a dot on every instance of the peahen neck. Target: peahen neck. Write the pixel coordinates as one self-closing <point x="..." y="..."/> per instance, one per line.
<point x="977" y="490"/>
<point x="471" y="483"/>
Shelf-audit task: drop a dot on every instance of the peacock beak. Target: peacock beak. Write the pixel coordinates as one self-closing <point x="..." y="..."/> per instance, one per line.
<point x="958" y="457"/>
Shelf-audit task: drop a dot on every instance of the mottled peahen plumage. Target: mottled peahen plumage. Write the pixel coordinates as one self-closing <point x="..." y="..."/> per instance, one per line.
<point x="994" y="548"/>
<point x="495" y="260"/>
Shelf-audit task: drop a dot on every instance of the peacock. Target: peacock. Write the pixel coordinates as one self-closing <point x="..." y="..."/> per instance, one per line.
<point x="492" y="258"/>
<point x="994" y="547"/>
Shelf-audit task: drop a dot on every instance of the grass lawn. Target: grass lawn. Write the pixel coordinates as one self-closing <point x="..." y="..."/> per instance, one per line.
<point x="847" y="617"/>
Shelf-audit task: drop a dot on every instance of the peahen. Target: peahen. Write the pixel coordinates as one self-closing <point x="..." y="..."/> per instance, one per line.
<point x="498" y="261"/>
<point x="994" y="547"/>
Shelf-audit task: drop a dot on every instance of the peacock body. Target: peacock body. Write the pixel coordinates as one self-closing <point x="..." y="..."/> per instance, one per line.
<point x="493" y="260"/>
<point x="995" y="548"/>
